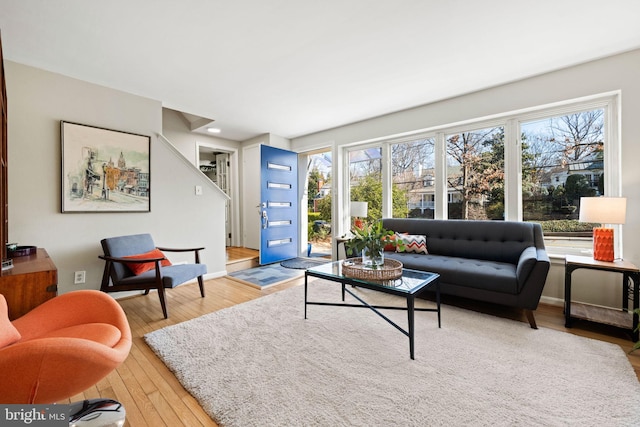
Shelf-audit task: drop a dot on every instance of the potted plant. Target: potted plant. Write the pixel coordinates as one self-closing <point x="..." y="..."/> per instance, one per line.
<point x="370" y="241"/>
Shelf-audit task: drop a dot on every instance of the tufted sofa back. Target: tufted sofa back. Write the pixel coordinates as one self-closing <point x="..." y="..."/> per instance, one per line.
<point x="501" y="241"/>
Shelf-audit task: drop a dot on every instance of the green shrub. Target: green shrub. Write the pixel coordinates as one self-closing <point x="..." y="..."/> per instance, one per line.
<point x="314" y="216"/>
<point x="566" y="226"/>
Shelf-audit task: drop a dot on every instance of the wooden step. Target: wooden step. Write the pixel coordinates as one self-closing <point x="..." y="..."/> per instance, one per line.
<point x="241" y="259"/>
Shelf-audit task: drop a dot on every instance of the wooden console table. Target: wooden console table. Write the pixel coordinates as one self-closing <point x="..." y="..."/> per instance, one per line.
<point x="32" y="281"/>
<point x="622" y="318"/>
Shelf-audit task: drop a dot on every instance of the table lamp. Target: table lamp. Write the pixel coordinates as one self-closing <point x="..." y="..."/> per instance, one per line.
<point x="358" y="210"/>
<point x="603" y="210"/>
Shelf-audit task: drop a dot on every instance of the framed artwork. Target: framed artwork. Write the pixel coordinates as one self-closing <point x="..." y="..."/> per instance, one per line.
<point x="104" y="170"/>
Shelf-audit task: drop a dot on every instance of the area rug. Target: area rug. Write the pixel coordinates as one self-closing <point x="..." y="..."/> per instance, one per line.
<point x="261" y="363"/>
<point x="265" y="276"/>
<point x="302" y="263"/>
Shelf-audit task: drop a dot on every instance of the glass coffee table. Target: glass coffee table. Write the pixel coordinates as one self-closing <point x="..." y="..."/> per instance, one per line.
<point x="412" y="284"/>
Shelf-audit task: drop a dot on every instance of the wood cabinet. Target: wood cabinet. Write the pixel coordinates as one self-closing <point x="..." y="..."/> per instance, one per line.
<point x="32" y="281"/>
<point x="4" y="203"/>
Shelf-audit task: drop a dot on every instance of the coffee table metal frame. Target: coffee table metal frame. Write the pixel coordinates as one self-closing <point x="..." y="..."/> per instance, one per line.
<point x="420" y="281"/>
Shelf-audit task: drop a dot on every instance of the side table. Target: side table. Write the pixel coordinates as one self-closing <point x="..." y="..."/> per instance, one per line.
<point x="622" y="318"/>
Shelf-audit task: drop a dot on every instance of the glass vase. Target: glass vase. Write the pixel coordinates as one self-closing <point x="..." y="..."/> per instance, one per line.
<point x="373" y="257"/>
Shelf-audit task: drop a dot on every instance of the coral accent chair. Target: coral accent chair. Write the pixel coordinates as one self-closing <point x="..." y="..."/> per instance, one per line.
<point x="62" y="347"/>
<point x="134" y="263"/>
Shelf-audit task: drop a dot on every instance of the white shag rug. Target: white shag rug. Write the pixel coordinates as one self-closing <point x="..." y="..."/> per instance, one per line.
<point x="261" y="363"/>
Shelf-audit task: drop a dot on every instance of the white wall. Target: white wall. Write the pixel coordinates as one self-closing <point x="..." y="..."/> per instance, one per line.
<point x="176" y="129"/>
<point x="618" y="72"/>
<point x="37" y="101"/>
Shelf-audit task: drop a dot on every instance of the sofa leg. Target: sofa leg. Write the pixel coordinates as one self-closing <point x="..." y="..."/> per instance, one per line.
<point x="531" y="318"/>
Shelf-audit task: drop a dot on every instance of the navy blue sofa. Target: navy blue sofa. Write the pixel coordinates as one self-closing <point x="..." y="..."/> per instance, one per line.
<point x="502" y="262"/>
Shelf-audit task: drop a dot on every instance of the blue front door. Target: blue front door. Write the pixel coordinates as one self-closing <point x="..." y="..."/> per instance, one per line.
<point x="278" y="205"/>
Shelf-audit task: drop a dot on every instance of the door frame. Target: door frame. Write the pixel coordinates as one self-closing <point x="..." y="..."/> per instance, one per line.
<point x="303" y="190"/>
<point x="234" y="184"/>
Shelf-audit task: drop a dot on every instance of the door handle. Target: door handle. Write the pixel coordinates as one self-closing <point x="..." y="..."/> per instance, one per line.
<point x="265" y="219"/>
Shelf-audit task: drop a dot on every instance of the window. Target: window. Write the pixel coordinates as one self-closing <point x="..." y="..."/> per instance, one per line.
<point x="475" y="174"/>
<point x="365" y="179"/>
<point x="562" y="161"/>
<point x="532" y="165"/>
<point x="413" y="178"/>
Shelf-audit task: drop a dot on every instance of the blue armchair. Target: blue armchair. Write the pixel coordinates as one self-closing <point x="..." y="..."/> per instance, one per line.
<point x="134" y="263"/>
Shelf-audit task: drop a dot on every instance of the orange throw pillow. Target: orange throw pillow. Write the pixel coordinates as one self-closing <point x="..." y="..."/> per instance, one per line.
<point x="8" y="333"/>
<point x="391" y="247"/>
<point x="140" y="267"/>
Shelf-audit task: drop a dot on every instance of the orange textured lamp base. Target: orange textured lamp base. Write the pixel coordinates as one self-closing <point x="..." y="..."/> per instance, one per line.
<point x="358" y="223"/>
<point x="603" y="244"/>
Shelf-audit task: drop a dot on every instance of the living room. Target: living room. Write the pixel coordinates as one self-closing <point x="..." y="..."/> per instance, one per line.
<point x="40" y="98"/>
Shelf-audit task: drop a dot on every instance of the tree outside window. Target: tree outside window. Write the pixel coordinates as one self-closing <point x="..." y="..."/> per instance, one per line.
<point x="563" y="160"/>
<point x="475" y="174"/>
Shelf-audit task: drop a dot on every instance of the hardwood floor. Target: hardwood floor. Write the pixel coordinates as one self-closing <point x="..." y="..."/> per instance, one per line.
<point x="153" y="396"/>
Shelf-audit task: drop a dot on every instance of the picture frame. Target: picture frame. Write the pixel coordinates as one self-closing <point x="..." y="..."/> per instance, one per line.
<point x="104" y="170"/>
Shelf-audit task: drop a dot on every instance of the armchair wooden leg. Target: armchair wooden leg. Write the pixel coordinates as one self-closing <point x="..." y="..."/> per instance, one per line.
<point x="163" y="303"/>
<point x="201" y="284"/>
<point x="531" y="318"/>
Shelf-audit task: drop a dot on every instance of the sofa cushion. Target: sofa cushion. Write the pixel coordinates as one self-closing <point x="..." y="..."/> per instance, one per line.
<point x="472" y="273"/>
<point x="501" y="241"/>
<point x="172" y="275"/>
<point x="413" y="244"/>
<point x="8" y="333"/>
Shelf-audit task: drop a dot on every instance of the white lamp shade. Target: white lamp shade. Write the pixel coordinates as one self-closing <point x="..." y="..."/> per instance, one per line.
<point x="603" y="210"/>
<point x="359" y="209"/>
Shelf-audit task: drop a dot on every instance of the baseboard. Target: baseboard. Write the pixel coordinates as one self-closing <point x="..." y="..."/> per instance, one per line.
<point x="215" y="275"/>
<point x="552" y="301"/>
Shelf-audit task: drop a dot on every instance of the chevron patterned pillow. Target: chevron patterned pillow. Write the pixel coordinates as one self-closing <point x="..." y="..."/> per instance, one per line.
<point x="414" y="243"/>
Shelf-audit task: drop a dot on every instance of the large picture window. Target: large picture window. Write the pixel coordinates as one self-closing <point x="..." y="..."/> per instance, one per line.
<point x="533" y="165"/>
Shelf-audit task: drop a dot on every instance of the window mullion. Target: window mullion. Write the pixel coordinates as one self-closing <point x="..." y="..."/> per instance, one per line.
<point x="441" y="200"/>
<point x="512" y="172"/>
<point x="387" y="192"/>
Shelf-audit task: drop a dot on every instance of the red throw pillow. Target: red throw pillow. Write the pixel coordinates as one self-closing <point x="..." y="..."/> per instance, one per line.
<point x="8" y="333"/>
<point x="140" y="267"/>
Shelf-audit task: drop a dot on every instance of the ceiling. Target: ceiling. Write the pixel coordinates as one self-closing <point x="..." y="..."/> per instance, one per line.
<point x="295" y="67"/>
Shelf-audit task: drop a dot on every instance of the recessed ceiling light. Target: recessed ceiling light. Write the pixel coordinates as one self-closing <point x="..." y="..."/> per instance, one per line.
<point x="213" y="130"/>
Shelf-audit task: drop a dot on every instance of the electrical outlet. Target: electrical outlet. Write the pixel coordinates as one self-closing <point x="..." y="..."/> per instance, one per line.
<point x="79" y="277"/>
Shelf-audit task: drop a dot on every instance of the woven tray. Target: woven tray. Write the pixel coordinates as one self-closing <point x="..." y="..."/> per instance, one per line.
<point x="354" y="268"/>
